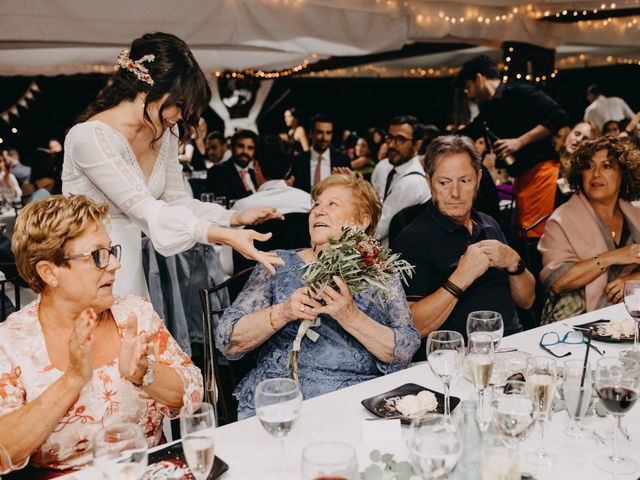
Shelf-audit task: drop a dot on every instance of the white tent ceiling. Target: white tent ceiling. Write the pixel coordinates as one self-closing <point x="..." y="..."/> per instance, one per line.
<point x="53" y="37"/>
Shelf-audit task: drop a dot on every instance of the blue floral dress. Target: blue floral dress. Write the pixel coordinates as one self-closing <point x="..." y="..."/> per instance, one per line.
<point x="337" y="359"/>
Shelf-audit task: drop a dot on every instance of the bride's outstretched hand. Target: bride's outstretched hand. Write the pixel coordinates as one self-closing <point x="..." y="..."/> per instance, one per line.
<point x="242" y="242"/>
<point x="255" y="216"/>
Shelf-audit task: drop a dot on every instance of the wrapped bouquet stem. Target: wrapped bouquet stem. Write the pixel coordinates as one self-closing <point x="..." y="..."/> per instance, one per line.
<point x="361" y="262"/>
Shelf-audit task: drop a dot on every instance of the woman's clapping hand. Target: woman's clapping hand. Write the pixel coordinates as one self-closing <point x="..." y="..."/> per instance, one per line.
<point x="81" y="346"/>
<point x="134" y="350"/>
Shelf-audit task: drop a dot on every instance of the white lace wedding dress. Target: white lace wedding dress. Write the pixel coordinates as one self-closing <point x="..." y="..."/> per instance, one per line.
<point x="99" y="162"/>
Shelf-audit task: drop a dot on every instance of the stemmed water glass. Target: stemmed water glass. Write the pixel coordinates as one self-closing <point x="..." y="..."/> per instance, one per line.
<point x="481" y="361"/>
<point x="541" y="379"/>
<point x="120" y="452"/>
<point x="618" y="391"/>
<point x="329" y="460"/>
<point x="514" y="413"/>
<point x="434" y="446"/>
<point x="445" y="354"/>
<point x="632" y="304"/>
<point x="278" y="402"/>
<point x="577" y="397"/>
<point x="197" y="430"/>
<point x="486" y="321"/>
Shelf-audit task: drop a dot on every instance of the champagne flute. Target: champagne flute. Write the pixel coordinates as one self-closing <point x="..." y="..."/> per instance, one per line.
<point x="329" y="461"/>
<point x="541" y="379"/>
<point x="278" y="402"/>
<point x="632" y="304"/>
<point x="481" y="361"/>
<point x="197" y="429"/>
<point x="120" y="452"/>
<point x="434" y="445"/>
<point x="445" y="354"/>
<point x="486" y="321"/>
<point x="618" y="392"/>
<point x="576" y="398"/>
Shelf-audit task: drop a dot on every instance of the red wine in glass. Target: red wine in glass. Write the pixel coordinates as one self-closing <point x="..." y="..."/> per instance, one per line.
<point x="618" y="399"/>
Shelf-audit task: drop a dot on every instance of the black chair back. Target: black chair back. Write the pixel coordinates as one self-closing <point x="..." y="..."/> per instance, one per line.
<point x="221" y="376"/>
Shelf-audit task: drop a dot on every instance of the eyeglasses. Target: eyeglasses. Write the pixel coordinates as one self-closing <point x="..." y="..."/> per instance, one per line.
<point x="399" y="139"/>
<point x="101" y="256"/>
<point x="549" y="339"/>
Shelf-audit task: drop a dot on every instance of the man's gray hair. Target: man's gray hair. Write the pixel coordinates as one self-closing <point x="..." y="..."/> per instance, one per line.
<point x="446" y="145"/>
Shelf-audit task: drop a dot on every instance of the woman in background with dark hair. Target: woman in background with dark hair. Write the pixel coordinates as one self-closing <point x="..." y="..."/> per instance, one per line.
<point x="125" y="152"/>
<point x="296" y="135"/>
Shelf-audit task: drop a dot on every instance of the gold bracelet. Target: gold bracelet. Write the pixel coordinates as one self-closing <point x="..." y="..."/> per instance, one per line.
<point x="273" y="325"/>
<point x="597" y="259"/>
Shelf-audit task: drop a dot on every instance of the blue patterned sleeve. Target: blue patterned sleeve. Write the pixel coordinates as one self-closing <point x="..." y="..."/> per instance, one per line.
<point x="255" y="296"/>
<point x="397" y="316"/>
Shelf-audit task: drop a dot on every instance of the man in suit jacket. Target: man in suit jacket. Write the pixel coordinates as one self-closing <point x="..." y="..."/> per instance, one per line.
<point x="235" y="179"/>
<point x="318" y="163"/>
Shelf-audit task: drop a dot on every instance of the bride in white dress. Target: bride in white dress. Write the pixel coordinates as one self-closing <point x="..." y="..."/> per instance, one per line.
<point x="125" y="152"/>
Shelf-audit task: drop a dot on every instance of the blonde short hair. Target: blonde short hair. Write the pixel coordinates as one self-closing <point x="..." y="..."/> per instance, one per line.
<point x="43" y="227"/>
<point x="367" y="202"/>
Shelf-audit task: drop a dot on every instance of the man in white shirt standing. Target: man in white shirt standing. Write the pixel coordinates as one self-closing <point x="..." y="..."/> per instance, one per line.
<point x="399" y="180"/>
<point x="272" y="166"/>
<point x="603" y="109"/>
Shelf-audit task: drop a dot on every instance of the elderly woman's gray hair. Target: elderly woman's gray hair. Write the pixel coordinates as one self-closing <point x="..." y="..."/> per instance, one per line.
<point x="446" y="145"/>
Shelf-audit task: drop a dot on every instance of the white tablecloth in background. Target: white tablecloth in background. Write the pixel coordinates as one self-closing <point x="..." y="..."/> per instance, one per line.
<point x="252" y="453"/>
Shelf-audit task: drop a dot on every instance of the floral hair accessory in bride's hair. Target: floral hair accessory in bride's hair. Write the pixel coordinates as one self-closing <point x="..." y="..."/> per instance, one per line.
<point x="136" y="66"/>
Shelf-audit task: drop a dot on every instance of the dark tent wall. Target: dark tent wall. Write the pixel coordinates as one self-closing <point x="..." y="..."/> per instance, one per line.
<point x="356" y="103"/>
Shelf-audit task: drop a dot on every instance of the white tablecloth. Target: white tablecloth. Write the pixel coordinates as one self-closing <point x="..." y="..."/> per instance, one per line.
<point x="252" y="453"/>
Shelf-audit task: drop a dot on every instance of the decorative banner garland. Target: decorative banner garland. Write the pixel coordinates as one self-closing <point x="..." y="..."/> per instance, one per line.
<point x="29" y="94"/>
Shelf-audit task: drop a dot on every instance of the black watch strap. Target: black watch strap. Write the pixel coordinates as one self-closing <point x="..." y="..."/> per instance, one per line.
<point x="521" y="268"/>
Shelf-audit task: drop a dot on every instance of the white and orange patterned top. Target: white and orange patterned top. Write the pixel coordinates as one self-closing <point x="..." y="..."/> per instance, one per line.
<point x="26" y="372"/>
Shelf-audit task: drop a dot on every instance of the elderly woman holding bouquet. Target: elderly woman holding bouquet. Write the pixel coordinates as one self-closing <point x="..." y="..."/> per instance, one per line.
<point x="78" y="359"/>
<point x="359" y="336"/>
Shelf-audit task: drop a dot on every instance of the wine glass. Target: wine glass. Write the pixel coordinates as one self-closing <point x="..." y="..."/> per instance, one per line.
<point x="514" y="413"/>
<point x="278" y="402"/>
<point x="541" y="379"/>
<point x="434" y="446"/>
<point x="197" y="430"/>
<point x="445" y="354"/>
<point x="632" y="304"/>
<point x="577" y="395"/>
<point x="329" y="460"/>
<point x="486" y="321"/>
<point x="618" y="392"/>
<point x="481" y="361"/>
<point x="120" y="452"/>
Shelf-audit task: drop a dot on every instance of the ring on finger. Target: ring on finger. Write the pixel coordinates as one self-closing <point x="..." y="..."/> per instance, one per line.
<point x="302" y="308"/>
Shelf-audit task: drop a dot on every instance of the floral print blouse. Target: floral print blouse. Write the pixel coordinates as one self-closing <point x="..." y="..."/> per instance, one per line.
<point x="337" y="359"/>
<point x="26" y="372"/>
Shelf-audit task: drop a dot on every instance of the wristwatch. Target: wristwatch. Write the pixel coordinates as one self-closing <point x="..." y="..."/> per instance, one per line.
<point x="519" y="269"/>
<point x="150" y="374"/>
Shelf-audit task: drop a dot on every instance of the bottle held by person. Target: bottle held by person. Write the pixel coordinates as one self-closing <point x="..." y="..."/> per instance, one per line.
<point x="493" y="138"/>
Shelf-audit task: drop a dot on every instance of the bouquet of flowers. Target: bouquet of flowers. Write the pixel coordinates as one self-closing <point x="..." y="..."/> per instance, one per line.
<point x="361" y="262"/>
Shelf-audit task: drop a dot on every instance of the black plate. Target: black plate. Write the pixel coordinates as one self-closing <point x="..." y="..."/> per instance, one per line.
<point x="598" y="332"/>
<point x="175" y="453"/>
<point x="379" y="407"/>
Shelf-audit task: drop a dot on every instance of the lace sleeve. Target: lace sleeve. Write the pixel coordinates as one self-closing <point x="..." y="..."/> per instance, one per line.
<point x="256" y="295"/>
<point x="12" y="397"/>
<point x="94" y="154"/>
<point x="175" y="193"/>
<point x="397" y="316"/>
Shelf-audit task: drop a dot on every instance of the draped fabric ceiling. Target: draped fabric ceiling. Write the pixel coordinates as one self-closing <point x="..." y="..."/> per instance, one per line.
<point x="52" y="37"/>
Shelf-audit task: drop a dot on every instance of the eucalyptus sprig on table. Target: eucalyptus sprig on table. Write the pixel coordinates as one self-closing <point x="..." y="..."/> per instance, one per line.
<point x="386" y="468"/>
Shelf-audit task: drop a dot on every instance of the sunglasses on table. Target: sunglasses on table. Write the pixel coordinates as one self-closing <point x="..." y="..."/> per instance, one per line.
<point x="101" y="256"/>
<point x="549" y="339"/>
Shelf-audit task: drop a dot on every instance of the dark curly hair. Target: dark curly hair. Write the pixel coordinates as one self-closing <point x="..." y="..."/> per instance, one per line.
<point x="174" y="71"/>
<point x="621" y="152"/>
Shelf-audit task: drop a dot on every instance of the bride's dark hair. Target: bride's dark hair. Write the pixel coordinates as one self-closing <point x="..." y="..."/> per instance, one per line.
<point x="174" y="71"/>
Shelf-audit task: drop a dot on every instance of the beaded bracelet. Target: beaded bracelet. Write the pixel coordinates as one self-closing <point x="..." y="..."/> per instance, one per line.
<point x="597" y="259"/>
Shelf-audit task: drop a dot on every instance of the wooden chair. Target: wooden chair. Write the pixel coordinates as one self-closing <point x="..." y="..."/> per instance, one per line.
<point x="221" y="376"/>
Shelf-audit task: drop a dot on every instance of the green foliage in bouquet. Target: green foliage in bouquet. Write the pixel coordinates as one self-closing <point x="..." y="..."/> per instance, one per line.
<point x="360" y="261"/>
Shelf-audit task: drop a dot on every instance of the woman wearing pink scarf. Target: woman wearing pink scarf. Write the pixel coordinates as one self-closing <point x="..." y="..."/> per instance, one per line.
<point x="591" y="244"/>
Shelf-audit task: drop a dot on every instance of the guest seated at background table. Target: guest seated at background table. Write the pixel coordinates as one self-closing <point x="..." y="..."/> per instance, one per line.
<point x="462" y="259"/>
<point x="590" y="244"/>
<point x="361" y="337"/>
<point x="79" y="358"/>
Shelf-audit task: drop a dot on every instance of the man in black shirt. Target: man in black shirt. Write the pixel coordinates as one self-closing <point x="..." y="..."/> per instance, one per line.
<point x="524" y="119"/>
<point x="463" y="263"/>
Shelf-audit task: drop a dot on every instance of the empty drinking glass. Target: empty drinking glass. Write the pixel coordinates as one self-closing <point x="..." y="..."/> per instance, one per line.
<point x="120" y="452"/>
<point x="329" y="460"/>
<point x="486" y="321"/>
